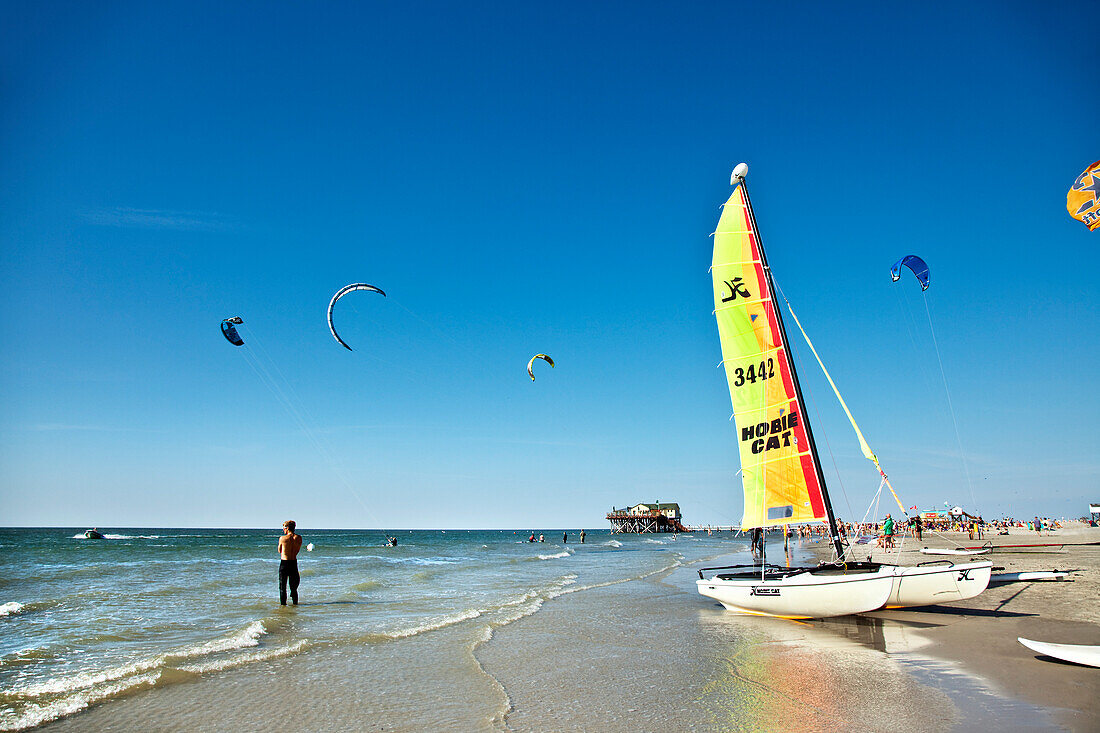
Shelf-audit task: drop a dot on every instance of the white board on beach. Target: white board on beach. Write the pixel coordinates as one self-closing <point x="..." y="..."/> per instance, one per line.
<point x="1029" y="576"/>
<point x="1076" y="653"/>
<point x="949" y="551"/>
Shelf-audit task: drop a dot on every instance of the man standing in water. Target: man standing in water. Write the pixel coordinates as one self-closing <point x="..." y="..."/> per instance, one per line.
<point x="289" y="544"/>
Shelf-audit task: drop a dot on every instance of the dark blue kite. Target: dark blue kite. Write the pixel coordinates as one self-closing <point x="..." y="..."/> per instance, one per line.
<point x="918" y="266"/>
<point x="230" y="331"/>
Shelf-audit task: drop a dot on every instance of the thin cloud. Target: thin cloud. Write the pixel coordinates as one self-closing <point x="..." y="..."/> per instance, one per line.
<point x="69" y="427"/>
<point x="124" y="217"/>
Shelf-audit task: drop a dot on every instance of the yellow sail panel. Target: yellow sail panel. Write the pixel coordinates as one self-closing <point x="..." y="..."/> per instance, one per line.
<point x="777" y="467"/>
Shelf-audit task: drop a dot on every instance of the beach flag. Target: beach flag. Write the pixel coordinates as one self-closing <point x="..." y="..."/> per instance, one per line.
<point x="912" y="507"/>
<point x="1083" y="198"/>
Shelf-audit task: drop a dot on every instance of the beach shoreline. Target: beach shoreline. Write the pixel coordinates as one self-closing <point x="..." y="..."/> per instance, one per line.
<point x="647" y="651"/>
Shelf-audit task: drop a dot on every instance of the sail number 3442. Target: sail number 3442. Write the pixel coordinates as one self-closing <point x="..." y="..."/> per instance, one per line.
<point x="755" y="373"/>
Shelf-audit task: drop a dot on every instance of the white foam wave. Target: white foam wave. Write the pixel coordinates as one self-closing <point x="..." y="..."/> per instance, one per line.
<point x="435" y="624"/>
<point x="219" y="665"/>
<point x="85" y="680"/>
<point x="72" y="683"/>
<point x="11" y="608"/>
<point x="556" y="555"/>
<point x="249" y="636"/>
<point x="612" y="543"/>
<point x="36" y="714"/>
<point x="656" y="542"/>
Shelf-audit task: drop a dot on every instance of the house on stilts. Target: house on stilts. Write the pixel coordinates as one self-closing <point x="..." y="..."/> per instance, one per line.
<point x="647" y="518"/>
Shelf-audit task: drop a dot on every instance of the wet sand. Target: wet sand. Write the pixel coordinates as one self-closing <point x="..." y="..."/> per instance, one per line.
<point x="979" y="635"/>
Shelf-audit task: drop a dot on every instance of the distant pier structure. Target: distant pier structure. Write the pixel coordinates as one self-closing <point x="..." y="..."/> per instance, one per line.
<point x="646" y="518"/>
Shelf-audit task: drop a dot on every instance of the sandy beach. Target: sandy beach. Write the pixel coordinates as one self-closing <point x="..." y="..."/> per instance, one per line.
<point x="649" y="653"/>
<point x="979" y="635"/>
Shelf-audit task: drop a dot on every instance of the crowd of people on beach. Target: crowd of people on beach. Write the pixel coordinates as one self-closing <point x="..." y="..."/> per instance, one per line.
<point x="886" y="533"/>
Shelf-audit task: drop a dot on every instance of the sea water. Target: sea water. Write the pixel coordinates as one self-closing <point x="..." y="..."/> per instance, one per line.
<point x="85" y="621"/>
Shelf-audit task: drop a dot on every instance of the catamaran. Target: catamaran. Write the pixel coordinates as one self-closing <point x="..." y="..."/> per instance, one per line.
<point x="780" y="469"/>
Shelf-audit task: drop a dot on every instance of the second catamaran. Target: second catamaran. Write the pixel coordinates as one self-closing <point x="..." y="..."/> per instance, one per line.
<point x="781" y="473"/>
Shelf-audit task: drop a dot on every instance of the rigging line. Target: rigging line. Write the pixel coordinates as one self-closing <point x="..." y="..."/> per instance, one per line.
<point x="427" y="323"/>
<point x="825" y="434"/>
<point x="951" y="407"/>
<point x="906" y="310"/>
<point x="301" y="416"/>
<point x="861" y="527"/>
<point x="406" y="370"/>
<point x="817" y="411"/>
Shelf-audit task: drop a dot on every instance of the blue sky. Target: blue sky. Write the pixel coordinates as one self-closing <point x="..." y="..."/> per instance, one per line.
<point x="527" y="178"/>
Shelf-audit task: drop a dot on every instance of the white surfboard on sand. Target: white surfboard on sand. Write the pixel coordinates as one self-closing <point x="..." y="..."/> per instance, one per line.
<point x="948" y="551"/>
<point x="1076" y="653"/>
<point x="1030" y="576"/>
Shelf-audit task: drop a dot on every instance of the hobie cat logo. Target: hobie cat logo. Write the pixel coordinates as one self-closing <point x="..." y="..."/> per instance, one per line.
<point x="965" y="574"/>
<point x="736" y="288"/>
<point x="757" y="590"/>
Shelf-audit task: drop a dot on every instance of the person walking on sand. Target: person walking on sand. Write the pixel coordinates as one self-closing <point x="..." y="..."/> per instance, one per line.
<point x="289" y="544"/>
<point x="917" y="527"/>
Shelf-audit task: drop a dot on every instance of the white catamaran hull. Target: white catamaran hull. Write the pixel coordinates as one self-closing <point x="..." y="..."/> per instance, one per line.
<point x="929" y="584"/>
<point x="809" y="594"/>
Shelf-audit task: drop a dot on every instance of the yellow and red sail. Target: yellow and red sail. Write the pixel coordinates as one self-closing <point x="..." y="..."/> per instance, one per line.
<point x="1083" y="197"/>
<point x="778" y="472"/>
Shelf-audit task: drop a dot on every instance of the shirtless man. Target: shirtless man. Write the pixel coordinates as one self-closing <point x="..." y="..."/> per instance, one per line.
<point x="289" y="544"/>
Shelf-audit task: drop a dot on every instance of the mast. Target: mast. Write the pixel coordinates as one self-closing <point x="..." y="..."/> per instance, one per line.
<point x="834" y="533"/>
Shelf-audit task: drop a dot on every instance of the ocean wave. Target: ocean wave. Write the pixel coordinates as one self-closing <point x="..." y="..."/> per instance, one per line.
<point x="106" y="536"/>
<point x="37" y="703"/>
<point x="219" y="665"/>
<point x="248" y="637"/>
<point x="11" y="608"/>
<point x="367" y="585"/>
<point x="556" y="555"/>
<point x="402" y="560"/>
<point x="611" y="543"/>
<point x="35" y="714"/>
<point x="656" y="542"/>
<point x="434" y="624"/>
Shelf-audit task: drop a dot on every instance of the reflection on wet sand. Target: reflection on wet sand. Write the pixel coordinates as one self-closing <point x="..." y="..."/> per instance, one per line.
<point x="865" y="670"/>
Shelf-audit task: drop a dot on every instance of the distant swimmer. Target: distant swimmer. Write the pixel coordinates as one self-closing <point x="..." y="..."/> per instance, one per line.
<point x="531" y="538"/>
<point x="541" y="539"/>
<point x="582" y="536"/>
<point x="391" y="541"/>
<point x="564" y="537"/>
<point x="289" y="544"/>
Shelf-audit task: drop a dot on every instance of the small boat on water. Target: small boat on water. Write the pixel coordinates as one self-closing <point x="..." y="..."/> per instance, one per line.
<point x="93" y="534"/>
<point x="780" y="469"/>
